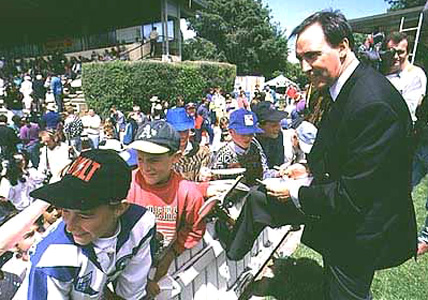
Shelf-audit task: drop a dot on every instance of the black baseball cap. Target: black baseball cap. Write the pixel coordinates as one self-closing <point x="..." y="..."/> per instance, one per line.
<point x="156" y="137"/>
<point x="95" y="178"/>
<point x="265" y="111"/>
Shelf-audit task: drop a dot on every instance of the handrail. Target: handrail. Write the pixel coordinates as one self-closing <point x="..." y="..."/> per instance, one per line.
<point x="132" y="49"/>
<point x="139" y="46"/>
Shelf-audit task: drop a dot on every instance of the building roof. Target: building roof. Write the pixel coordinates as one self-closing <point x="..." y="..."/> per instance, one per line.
<point x="389" y="21"/>
<point x="33" y="21"/>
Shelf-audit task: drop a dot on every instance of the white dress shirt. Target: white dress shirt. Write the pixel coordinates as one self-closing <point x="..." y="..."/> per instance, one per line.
<point x="334" y="93"/>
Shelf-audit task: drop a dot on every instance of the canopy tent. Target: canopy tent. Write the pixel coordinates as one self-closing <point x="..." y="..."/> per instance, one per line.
<point x="280" y="81"/>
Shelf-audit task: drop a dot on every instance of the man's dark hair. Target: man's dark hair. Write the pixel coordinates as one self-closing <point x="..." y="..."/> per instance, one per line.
<point x="396" y="37"/>
<point x="334" y="25"/>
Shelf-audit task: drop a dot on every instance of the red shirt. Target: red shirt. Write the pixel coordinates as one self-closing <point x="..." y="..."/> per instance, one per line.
<point x="175" y="204"/>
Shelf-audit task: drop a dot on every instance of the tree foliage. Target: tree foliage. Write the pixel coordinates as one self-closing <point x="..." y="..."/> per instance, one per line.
<point x="199" y="48"/>
<point x="400" y="4"/>
<point x="243" y="34"/>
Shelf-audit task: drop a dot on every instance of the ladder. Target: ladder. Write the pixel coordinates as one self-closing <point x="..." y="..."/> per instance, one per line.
<point x="417" y="31"/>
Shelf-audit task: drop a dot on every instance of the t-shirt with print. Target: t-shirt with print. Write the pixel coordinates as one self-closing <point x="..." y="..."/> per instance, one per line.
<point x="174" y="203"/>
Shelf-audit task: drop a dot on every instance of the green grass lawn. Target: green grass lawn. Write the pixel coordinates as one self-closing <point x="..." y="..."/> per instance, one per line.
<point x="300" y="277"/>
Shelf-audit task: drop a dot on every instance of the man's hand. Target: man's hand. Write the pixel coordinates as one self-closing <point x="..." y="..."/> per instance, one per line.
<point x="205" y="174"/>
<point x="278" y="191"/>
<point x="295" y="171"/>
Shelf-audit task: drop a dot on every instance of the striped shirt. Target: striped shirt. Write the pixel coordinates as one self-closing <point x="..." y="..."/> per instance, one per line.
<point x="61" y="269"/>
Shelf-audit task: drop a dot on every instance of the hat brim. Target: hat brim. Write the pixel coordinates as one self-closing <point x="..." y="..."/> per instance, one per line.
<point x="183" y="126"/>
<point x="306" y="148"/>
<point x="148" y="147"/>
<point x="274" y="116"/>
<point x="247" y="130"/>
<point x="68" y="193"/>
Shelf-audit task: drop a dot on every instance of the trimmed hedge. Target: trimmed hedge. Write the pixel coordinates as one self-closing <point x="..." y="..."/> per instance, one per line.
<point x="126" y="83"/>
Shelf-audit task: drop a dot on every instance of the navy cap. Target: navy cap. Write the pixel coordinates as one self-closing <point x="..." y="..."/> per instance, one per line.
<point x="244" y="122"/>
<point x="156" y="137"/>
<point x="265" y="111"/>
<point x="179" y="119"/>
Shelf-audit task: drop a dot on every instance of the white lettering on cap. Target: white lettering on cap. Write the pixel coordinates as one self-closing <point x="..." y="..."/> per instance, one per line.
<point x="248" y="120"/>
<point x="148" y="132"/>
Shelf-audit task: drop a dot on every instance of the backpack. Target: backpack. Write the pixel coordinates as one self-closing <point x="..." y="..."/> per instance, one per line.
<point x="130" y="132"/>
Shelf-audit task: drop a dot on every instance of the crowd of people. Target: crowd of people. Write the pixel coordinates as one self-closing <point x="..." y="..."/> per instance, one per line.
<point x="123" y="195"/>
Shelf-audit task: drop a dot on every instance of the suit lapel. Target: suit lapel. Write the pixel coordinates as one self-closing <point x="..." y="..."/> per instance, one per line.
<point x="327" y="138"/>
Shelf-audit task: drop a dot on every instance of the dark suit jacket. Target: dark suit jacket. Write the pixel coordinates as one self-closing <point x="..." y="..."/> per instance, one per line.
<point x="360" y="199"/>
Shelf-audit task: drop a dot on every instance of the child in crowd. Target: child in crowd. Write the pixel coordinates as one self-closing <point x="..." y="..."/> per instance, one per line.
<point x="174" y="201"/>
<point x="194" y="157"/>
<point x="18" y="180"/>
<point x="100" y="240"/>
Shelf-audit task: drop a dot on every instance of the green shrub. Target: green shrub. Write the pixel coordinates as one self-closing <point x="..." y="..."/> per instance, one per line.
<point x="127" y="83"/>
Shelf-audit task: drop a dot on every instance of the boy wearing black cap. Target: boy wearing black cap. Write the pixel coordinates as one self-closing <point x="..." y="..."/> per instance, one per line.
<point x="174" y="201"/>
<point x="100" y="240"/>
<point x="272" y="138"/>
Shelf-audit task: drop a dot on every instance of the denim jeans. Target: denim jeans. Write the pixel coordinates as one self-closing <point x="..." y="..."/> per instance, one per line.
<point x="76" y="143"/>
<point x="34" y="155"/>
<point x="95" y="140"/>
<point x="420" y="169"/>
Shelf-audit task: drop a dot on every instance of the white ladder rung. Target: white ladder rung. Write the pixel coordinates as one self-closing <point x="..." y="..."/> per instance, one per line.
<point x="409" y="29"/>
<point x="412" y="54"/>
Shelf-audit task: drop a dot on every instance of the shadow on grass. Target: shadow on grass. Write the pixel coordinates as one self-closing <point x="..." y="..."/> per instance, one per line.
<point x="297" y="279"/>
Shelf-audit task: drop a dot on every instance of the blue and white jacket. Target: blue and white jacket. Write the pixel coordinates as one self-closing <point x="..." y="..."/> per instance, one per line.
<point x="61" y="269"/>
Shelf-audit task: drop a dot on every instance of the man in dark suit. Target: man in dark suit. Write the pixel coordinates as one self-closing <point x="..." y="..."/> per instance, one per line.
<point x="359" y="202"/>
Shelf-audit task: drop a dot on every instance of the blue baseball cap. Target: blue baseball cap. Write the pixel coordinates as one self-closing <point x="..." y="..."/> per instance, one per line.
<point x="179" y="119"/>
<point x="244" y="122"/>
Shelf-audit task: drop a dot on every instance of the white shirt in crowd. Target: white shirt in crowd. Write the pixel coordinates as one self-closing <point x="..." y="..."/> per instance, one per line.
<point x="19" y="194"/>
<point x="54" y="160"/>
<point x="153" y="35"/>
<point x="411" y="83"/>
<point x="1" y="87"/>
<point x="91" y="124"/>
<point x="26" y="89"/>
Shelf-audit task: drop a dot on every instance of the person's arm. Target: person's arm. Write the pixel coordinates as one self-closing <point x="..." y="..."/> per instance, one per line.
<point x="97" y="124"/>
<point x="12" y="231"/>
<point x="415" y="91"/>
<point x="23" y="135"/>
<point x="160" y="270"/>
<point x="192" y="227"/>
<point x="43" y="286"/>
<point x="224" y="158"/>
<point x="267" y="173"/>
<point x="131" y="283"/>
